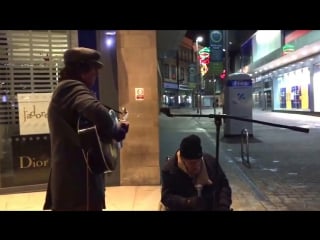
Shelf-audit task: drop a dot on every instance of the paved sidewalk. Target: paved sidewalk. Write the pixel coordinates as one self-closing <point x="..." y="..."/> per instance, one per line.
<point x="123" y="198"/>
<point x="120" y="198"/>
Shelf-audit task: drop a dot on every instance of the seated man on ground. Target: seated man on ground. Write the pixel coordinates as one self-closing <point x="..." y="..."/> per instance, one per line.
<point x="194" y="181"/>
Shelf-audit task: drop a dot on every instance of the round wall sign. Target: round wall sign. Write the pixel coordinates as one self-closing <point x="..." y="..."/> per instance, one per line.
<point x="216" y="36"/>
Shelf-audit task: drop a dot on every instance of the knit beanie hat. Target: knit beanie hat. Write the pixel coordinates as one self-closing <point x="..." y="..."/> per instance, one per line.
<point x="190" y="147"/>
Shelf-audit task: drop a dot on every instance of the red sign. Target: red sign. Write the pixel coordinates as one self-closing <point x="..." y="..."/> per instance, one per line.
<point x="139" y="93"/>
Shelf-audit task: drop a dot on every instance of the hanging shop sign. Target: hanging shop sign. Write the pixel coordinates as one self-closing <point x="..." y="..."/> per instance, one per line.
<point x="288" y="48"/>
<point x="33" y="109"/>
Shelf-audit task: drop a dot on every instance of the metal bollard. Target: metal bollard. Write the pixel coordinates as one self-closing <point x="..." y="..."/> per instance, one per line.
<point x="245" y="148"/>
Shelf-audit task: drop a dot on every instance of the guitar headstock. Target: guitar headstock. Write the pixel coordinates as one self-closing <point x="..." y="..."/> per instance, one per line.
<point x="125" y="114"/>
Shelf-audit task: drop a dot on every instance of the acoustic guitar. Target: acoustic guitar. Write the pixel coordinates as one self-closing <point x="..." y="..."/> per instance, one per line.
<point x="100" y="157"/>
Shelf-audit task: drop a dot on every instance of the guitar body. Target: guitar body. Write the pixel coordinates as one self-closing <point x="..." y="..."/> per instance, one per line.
<point x="95" y="151"/>
<point x="101" y="157"/>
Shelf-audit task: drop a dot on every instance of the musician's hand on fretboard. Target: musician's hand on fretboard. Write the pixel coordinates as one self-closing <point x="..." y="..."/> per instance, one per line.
<point x="124" y="125"/>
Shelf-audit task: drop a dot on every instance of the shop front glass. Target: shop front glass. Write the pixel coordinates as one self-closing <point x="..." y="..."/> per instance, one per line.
<point x="292" y="90"/>
<point x="316" y="87"/>
<point x="30" y="62"/>
<point x="185" y="98"/>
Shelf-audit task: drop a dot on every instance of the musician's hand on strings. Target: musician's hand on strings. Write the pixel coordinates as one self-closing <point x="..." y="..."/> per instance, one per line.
<point x="119" y="133"/>
<point x="124" y="125"/>
<point x="121" y="130"/>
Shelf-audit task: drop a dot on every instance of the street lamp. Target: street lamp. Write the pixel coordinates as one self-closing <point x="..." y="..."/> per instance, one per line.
<point x="199" y="104"/>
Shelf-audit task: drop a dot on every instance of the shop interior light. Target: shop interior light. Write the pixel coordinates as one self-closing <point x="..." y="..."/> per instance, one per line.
<point x="110" y="33"/>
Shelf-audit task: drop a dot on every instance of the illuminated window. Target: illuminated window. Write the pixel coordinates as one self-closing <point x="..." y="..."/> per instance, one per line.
<point x="173" y="72"/>
<point x="166" y="70"/>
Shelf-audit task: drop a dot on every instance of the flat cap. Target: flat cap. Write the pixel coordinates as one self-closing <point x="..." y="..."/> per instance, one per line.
<point x="82" y="55"/>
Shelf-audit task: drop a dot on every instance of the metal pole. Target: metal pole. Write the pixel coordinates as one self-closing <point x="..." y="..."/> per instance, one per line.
<point x="214" y="96"/>
<point x="199" y="77"/>
<point x="197" y="74"/>
<point x="200" y="86"/>
<point x="178" y="76"/>
<point x="227" y="52"/>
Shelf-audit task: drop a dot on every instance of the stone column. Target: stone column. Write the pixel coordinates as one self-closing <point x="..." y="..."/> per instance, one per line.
<point x="137" y="68"/>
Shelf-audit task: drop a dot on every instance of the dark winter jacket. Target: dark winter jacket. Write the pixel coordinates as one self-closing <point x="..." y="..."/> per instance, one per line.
<point x="67" y="186"/>
<point x="178" y="187"/>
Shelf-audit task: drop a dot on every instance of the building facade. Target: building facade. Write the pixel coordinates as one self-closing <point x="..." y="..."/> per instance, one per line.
<point x="30" y="62"/>
<point x="178" y="75"/>
<point x="284" y="66"/>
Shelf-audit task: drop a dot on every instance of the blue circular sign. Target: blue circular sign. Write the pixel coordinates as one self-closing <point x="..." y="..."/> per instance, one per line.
<point x="216" y="36"/>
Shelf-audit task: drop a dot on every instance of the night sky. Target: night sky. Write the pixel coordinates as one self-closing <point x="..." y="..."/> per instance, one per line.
<point x="236" y="37"/>
<point x="193" y="34"/>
